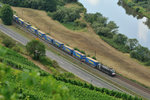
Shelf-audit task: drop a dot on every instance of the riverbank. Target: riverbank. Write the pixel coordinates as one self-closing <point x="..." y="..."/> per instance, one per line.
<point x="137" y="8"/>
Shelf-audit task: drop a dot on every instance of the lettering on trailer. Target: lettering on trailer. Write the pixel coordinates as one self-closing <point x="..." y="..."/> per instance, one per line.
<point x="26" y="25"/>
<point x="40" y="34"/>
<point x="68" y="50"/>
<point x="32" y="29"/>
<point x="57" y="43"/>
<point x="90" y="61"/>
<point x="48" y="39"/>
<point x="78" y="55"/>
<point x="20" y="21"/>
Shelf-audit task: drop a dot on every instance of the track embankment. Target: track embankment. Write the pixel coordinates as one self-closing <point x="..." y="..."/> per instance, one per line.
<point x="89" y="42"/>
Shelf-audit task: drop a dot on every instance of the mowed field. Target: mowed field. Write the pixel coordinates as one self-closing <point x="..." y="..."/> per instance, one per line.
<point x="89" y="42"/>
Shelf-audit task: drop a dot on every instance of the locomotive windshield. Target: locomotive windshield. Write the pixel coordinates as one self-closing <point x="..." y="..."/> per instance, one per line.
<point x="113" y="71"/>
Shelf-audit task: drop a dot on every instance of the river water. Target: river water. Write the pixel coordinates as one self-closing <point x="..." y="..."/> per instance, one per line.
<point x="130" y="26"/>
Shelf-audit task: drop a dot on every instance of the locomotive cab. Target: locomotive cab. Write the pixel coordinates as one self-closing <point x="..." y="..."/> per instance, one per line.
<point x="113" y="73"/>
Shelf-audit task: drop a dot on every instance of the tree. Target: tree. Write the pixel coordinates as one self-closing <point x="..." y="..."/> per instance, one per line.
<point x="7" y="15"/>
<point x="141" y="53"/>
<point x="120" y="39"/>
<point x="36" y="48"/>
<point x="112" y="26"/>
<point x="132" y="44"/>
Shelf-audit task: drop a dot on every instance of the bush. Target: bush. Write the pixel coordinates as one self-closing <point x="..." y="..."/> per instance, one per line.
<point x="66" y="75"/>
<point x="45" y="61"/>
<point x="65" y="15"/>
<point x="55" y="64"/>
<point x="79" y="23"/>
<point x="94" y="57"/>
<point x="8" y="42"/>
<point x="16" y="48"/>
<point x="147" y="63"/>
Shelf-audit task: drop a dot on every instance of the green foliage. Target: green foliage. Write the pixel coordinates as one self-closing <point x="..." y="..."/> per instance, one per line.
<point x="16" y="48"/>
<point x="55" y="64"/>
<point x="143" y="3"/>
<point x="24" y="85"/>
<point x="100" y="25"/>
<point x="119" y="47"/>
<point x="64" y="14"/>
<point x="77" y="92"/>
<point x="47" y="5"/>
<point x="147" y="63"/>
<point x="15" y="60"/>
<point x="80" y="23"/>
<point x="120" y="39"/>
<point x="6" y="14"/>
<point x="8" y="42"/>
<point x="141" y="53"/>
<point x="45" y="61"/>
<point x="36" y="48"/>
<point x="132" y="44"/>
<point x="35" y="84"/>
<point x="70" y="1"/>
<point x="66" y="75"/>
<point x="94" y="57"/>
<point x="72" y="26"/>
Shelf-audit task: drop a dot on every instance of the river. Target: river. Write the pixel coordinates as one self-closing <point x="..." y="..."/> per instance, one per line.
<point x="130" y="26"/>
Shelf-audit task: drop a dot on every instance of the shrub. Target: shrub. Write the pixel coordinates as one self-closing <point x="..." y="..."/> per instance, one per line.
<point x="16" y="48"/>
<point x="94" y="57"/>
<point x="45" y="61"/>
<point x="55" y="64"/>
<point x="147" y="63"/>
<point x="8" y="42"/>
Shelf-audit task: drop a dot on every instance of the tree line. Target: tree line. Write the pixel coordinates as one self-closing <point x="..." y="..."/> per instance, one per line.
<point x="108" y="31"/>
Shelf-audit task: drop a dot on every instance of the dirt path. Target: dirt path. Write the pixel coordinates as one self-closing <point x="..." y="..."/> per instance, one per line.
<point x="89" y="42"/>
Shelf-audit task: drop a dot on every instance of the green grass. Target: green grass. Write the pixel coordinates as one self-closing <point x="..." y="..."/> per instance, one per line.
<point x="119" y="47"/>
<point x="71" y="26"/>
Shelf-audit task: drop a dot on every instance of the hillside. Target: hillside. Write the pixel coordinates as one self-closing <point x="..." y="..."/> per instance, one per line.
<point x="89" y="42"/>
<point x="22" y="79"/>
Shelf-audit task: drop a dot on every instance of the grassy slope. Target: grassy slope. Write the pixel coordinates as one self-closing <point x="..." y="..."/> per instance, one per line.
<point x="89" y="42"/>
<point x="76" y="91"/>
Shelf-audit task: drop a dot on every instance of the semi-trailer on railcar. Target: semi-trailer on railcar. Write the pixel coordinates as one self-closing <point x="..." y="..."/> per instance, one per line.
<point x="65" y="48"/>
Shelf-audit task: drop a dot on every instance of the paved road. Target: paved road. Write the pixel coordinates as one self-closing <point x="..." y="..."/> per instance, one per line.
<point x="75" y="69"/>
<point x="62" y="62"/>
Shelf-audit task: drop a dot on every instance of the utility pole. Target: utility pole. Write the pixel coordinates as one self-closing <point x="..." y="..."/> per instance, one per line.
<point x="95" y="53"/>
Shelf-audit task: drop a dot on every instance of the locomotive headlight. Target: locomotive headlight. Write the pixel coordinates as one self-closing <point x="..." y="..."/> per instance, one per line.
<point x="113" y="73"/>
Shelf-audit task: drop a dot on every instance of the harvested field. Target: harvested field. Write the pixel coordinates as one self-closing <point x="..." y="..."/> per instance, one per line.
<point x="89" y="42"/>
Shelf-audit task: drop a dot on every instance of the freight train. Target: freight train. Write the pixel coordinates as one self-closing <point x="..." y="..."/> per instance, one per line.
<point x="64" y="48"/>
